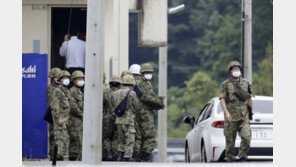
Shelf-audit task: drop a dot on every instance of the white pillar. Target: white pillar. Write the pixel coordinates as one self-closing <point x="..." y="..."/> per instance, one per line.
<point x="248" y="41"/>
<point x="116" y="35"/>
<point x="162" y="114"/>
<point x="93" y="108"/>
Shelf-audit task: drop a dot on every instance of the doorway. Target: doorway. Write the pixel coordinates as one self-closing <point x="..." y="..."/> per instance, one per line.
<point x="59" y="28"/>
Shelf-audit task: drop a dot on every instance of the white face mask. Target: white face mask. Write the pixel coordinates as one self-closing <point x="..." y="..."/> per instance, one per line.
<point x="80" y="83"/>
<point x="66" y="82"/>
<point x="236" y="74"/>
<point x="148" y="76"/>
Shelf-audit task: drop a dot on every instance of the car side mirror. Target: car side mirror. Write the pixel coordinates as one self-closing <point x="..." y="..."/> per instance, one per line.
<point x="189" y="120"/>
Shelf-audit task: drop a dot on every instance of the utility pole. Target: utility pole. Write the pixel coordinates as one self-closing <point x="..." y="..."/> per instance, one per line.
<point x="162" y="114"/>
<point x="93" y="102"/>
<point x="247" y="39"/>
<point x="162" y="91"/>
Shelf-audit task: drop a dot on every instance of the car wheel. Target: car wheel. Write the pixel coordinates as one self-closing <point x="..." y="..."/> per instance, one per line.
<point x="203" y="153"/>
<point x="187" y="158"/>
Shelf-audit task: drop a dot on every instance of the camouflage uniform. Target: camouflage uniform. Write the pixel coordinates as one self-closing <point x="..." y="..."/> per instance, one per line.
<point x="125" y="123"/>
<point x="240" y="121"/>
<point x="150" y="101"/>
<point x="138" y="138"/>
<point x="60" y="110"/>
<point x="53" y="73"/>
<point x="109" y="117"/>
<point x="76" y="123"/>
<point x="49" y="92"/>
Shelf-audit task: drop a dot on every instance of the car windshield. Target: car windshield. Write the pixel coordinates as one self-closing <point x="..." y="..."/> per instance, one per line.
<point x="259" y="107"/>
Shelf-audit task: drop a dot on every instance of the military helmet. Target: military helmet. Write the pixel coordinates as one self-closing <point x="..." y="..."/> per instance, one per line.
<point x="115" y="78"/>
<point x="126" y="72"/>
<point x="64" y="73"/>
<point x="54" y="72"/>
<point x="77" y="74"/>
<point x="146" y="67"/>
<point x="128" y="80"/>
<point x="232" y="64"/>
<point x="135" y="69"/>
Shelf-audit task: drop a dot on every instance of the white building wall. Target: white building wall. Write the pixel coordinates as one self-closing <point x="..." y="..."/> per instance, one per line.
<point x="36" y="25"/>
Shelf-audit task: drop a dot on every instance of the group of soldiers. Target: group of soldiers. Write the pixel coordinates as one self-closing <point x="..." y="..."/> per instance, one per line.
<point x="129" y="103"/>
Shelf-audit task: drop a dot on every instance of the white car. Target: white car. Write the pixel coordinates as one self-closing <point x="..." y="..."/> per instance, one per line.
<point x="205" y="142"/>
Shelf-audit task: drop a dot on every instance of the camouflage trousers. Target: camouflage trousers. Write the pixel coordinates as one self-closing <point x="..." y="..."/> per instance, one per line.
<point x="244" y="131"/>
<point x="147" y="129"/>
<point x="126" y="139"/>
<point x="75" y="134"/>
<point x="61" y="139"/>
<point x="108" y="130"/>
<point x="138" y="143"/>
<point x="50" y="139"/>
<point x="115" y="142"/>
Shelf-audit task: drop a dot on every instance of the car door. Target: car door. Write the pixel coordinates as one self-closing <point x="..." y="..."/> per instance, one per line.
<point x="197" y="131"/>
<point x="203" y="124"/>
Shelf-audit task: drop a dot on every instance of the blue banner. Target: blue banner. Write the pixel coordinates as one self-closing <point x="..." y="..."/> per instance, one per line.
<point x="34" y="85"/>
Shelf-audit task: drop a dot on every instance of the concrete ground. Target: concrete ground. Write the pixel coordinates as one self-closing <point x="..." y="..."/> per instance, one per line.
<point x="130" y="164"/>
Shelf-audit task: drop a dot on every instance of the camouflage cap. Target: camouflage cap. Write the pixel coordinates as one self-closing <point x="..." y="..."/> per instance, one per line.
<point x="232" y="64"/>
<point x="64" y="73"/>
<point x="54" y="72"/>
<point x="146" y="67"/>
<point x="126" y="72"/>
<point x="128" y="80"/>
<point x="77" y="74"/>
<point x="115" y="78"/>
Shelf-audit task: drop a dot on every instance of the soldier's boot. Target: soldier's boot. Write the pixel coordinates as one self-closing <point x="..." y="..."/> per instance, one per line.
<point x="242" y="159"/>
<point x="129" y="160"/>
<point x="60" y="159"/>
<point x="145" y="157"/>
<point x="120" y="156"/>
<point x="109" y="155"/>
<point x="72" y="158"/>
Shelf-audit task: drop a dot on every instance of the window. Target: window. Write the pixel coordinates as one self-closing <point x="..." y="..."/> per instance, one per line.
<point x="202" y="112"/>
<point x="208" y="112"/>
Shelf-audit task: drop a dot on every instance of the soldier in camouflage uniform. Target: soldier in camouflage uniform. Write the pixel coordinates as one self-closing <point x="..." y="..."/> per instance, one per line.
<point x="60" y="113"/>
<point x="235" y="112"/>
<point x="53" y="75"/>
<point x="125" y="123"/>
<point x="109" y="127"/>
<point x="115" y="134"/>
<point x="76" y="116"/>
<point x="149" y="102"/>
<point x="135" y="70"/>
<point x="109" y="120"/>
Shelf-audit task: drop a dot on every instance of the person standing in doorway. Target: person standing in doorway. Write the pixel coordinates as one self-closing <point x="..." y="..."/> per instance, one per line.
<point x="73" y="49"/>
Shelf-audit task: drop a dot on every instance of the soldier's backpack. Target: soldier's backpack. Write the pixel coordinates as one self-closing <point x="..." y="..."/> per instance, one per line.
<point x="120" y="109"/>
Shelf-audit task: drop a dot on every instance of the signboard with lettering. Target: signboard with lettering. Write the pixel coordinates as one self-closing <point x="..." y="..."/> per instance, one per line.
<point x="34" y="85"/>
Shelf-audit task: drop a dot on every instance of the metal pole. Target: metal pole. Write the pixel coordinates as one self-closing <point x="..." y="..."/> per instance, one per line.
<point x="248" y="41"/>
<point x="92" y="120"/>
<point x="162" y="114"/>
<point x="243" y="36"/>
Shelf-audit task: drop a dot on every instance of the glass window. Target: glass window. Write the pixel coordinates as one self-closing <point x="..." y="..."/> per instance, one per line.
<point x="202" y="112"/>
<point x="259" y="107"/>
<point x="263" y="106"/>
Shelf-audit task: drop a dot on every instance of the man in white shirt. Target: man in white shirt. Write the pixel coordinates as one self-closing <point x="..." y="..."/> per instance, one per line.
<point x="73" y="49"/>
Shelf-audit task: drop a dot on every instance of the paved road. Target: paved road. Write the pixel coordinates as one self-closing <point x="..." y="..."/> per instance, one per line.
<point x="129" y="164"/>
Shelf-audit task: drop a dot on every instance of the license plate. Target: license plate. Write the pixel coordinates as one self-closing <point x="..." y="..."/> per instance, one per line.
<point x="262" y="134"/>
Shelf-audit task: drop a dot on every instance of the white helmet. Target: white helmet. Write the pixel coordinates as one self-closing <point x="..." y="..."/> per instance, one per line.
<point x="135" y="69"/>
